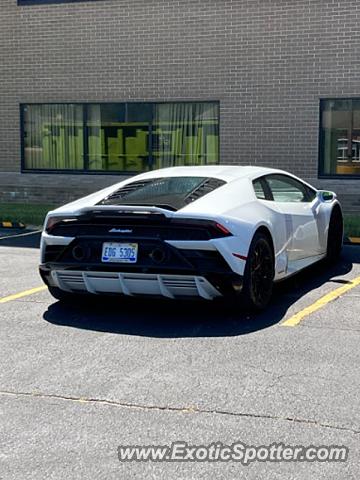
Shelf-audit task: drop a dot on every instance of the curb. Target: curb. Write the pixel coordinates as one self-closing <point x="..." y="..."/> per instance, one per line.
<point x="12" y="225"/>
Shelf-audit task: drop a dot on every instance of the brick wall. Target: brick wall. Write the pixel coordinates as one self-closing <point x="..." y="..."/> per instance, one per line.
<point x="267" y="61"/>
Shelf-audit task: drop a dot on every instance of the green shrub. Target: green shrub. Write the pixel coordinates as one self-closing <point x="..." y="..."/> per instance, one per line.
<point x="29" y="214"/>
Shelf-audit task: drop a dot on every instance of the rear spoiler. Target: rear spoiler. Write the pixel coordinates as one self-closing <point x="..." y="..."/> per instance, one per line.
<point x="136" y="209"/>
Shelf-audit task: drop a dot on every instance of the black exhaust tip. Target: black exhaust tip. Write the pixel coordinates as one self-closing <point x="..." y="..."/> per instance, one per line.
<point x="79" y="253"/>
<point x="158" y="255"/>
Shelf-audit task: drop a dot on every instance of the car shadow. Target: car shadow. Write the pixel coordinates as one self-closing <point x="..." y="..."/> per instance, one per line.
<point x="179" y="319"/>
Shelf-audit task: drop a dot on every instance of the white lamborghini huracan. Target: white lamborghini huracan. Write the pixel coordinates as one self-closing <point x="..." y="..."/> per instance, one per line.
<point x="208" y="232"/>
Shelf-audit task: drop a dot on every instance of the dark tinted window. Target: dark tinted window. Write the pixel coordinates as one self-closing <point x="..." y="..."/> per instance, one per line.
<point x="168" y="192"/>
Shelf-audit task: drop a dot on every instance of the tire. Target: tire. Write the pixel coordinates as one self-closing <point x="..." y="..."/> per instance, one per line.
<point x="335" y="236"/>
<point x="259" y="273"/>
<point x="65" y="297"/>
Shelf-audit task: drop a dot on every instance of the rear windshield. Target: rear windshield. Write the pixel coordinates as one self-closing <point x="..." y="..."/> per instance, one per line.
<point x="171" y="193"/>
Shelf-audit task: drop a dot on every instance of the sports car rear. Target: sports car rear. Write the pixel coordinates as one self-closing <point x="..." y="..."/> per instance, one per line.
<point x="130" y="250"/>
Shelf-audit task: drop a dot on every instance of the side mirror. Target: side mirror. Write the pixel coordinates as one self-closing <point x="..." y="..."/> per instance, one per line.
<point x="326" y="196"/>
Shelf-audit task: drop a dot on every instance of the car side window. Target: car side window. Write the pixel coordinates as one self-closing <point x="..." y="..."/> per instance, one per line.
<point x="287" y="189"/>
<point x="259" y="189"/>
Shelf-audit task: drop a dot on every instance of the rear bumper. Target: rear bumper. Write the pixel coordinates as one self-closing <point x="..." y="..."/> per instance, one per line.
<point x="205" y="269"/>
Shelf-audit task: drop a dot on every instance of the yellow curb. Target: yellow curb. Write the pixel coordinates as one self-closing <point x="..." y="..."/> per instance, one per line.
<point x="12" y="225"/>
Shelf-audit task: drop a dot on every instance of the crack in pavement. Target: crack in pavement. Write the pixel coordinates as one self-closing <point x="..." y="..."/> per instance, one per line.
<point x="191" y="409"/>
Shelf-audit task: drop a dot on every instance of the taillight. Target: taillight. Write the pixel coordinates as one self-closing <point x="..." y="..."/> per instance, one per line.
<point x="55" y="220"/>
<point x="222" y="229"/>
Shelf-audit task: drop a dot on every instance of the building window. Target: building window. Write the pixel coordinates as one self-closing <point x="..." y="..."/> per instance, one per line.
<point x="44" y="2"/>
<point x="340" y="137"/>
<point x="119" y="137"/>
<point x="53" y="137"/>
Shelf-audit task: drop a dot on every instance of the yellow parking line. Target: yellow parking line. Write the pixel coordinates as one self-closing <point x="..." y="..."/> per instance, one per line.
<point x="296" y="319"/>
<point x="22" y="294"/>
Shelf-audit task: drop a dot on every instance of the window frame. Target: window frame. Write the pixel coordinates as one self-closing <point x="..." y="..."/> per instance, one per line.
<point x="321" y="172"/>
<point x="85" y="171"/>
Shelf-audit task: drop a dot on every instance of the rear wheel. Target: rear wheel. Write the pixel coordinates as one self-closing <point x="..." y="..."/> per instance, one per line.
<point x="335" y="235"/>
<point x="259" y="273"/>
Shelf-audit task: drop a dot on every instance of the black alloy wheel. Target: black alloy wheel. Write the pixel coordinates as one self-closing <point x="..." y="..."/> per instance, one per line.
<point x="259" y="273"/>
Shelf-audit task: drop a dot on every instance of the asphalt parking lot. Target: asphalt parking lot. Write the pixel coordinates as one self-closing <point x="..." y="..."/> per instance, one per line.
<point x="78" y="381"/>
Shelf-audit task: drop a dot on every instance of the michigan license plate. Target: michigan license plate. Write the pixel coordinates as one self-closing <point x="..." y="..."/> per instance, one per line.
<point x="119" y="252"/>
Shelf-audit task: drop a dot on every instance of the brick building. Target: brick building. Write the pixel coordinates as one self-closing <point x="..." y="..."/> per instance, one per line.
<point x="94" y="90"/>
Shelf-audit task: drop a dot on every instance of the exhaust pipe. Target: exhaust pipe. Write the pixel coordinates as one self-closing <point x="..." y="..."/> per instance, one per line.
<point x="158" y="255"/>
<point x="80" y="253"/>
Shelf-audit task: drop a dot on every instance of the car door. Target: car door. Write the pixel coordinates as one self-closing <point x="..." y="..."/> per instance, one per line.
<point x="295" y="201"/>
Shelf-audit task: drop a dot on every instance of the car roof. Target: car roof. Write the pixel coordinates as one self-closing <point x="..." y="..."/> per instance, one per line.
<point x="223" y="172"/>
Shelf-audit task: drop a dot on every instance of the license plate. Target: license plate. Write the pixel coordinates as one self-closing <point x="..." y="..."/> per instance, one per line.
<point x="119" y="252"/>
